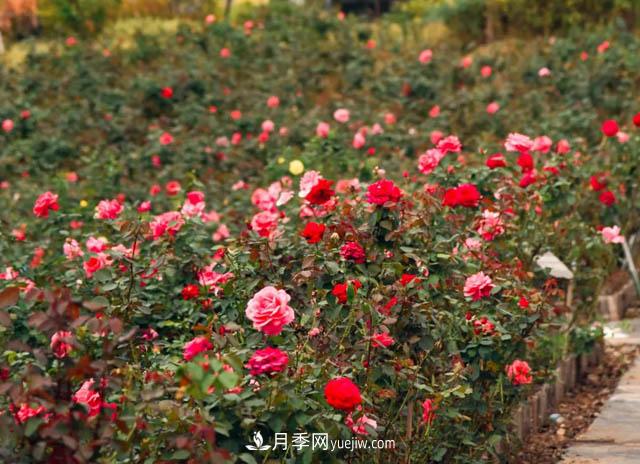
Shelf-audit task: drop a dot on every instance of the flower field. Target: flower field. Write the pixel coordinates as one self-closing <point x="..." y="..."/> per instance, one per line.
<point x="304" y="223"/>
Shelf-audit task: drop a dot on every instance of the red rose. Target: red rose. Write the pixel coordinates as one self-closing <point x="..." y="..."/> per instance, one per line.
<point x="406" y="279"/>
<point x="527" y="179"/>
<point x="464" y="195"/>
<point x="382" y="192"/>
<point x="341" y="393"/>
<point x="190" y="292"/>
<point x="340" y="290"/>
<point x="607" y="198"/>
<point x="382" y="339"/>
<point x="598" y="182"/>
<point x="353" y="251"/>
<point x="321" y="192"/>
<point x="609" y="128"/>
<point x="496" y="161"/>
<point x="45" y="202"/>
<point x="313" y="232"/>
<point x="525" y="161"/>
<point x="167" y="92"/>
<point x="636" y="120"/>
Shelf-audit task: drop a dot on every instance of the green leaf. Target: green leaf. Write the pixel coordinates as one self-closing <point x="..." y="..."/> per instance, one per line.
<point x="32" y="426"/>
<point x="180" y="454"/>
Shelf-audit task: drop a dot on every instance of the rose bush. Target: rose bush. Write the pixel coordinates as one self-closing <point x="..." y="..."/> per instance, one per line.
<point x="183" y="268"/>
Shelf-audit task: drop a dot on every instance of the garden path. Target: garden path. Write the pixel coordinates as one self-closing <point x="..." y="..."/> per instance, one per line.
<point x="614" y="437"/>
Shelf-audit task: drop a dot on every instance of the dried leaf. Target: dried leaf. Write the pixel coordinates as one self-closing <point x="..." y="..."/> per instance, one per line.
<point x="9" y="297"/>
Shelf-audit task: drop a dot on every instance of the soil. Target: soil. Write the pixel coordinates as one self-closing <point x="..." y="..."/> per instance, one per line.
<point x="616" y="281"/>
<point x="578" y="409"/>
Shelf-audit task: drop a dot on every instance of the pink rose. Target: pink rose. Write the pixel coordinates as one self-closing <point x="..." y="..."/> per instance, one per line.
<point x="563" y="147"/>
<point x="519" y="372"/>
<point x="449" y="144"/>
<point x="341" y="115"/>
<point x="493" y="107"/>
<point x="72" y="249"/>
<point x="265" y="223"/>
<point x="108" y="209"/>
<point x="267" y="361"/>
<point x="612" y="235"/>
<point x="7" y="125"/>
<point x="478" y="286"/>
<point x="322" y="130"/>
<point x="88" y="397"/>
<point x="195" y="347"/>
<point x="273" y="101"/>
<point x="169" y="223"/>
<point x="358" y="141"/>
<point x="269" y="310"/>
<point x="425" y="56"/>
<point x="59" y="344"/>
<point x="518" y="142"/>
<point x="360" y="425"/>
<point x="430" y="160"/>
<point x="307" y="182"/>
<point x="213" y="280"/>
<point x="542" y="144"/>
<point x="166" y="138"/>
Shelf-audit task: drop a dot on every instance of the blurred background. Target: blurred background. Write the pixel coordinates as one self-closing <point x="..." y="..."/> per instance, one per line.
<point x="466" y="20"/>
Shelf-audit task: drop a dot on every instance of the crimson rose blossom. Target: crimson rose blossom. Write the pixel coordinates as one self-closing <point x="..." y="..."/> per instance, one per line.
<point x="26" y="412"/>
<point x="383" y="192"/>
<point x="313" y="232"/>
<point x="636" y="120"/>
<point x="321" y="192"/>
<point x="519" y="372"/>
<point x="45" y="202"/>
<point x="269" y="310"/>
<point x="190" y="292"/>
<point x="342" y="394"/>
<point x="267" y="361"/>
<point x="466" y="195"/>
<point x="478" y="286"/>
<point x="607" y="198"/>
<point x="353" y="251"/>
<point x="195" y="347"/>
<point x="428" y="411"/>
<point x="496" y="160"/>
<point x="381" y="339"/>
<point x="340" y="290"/>
<point x="609" y="128"/>
<point x="406" y="279"/>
